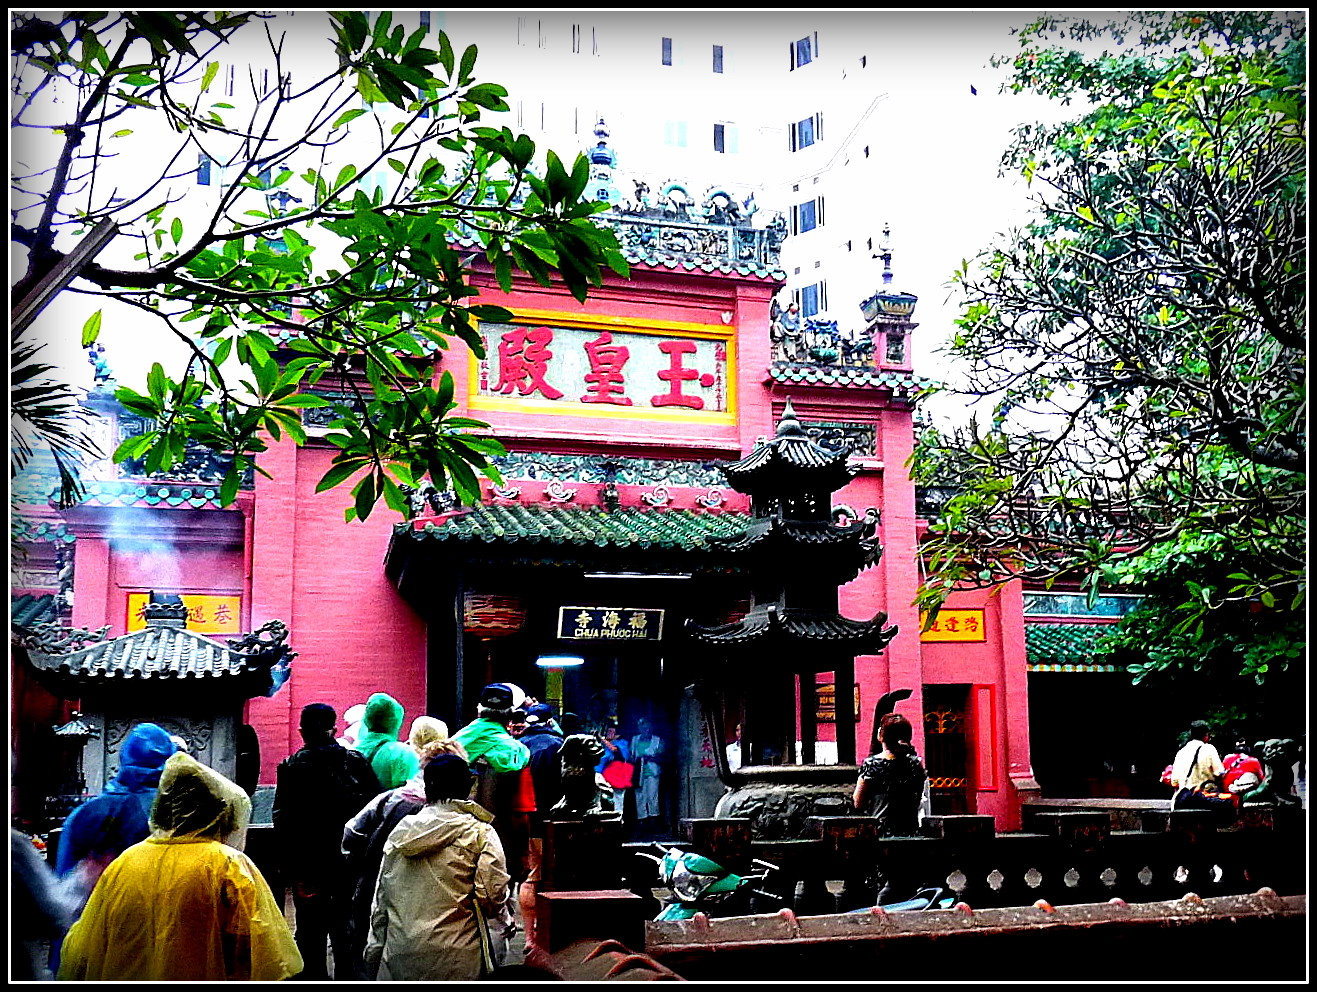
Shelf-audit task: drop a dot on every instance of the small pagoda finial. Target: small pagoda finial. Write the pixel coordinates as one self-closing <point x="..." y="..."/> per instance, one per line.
<point x="789" y="424"/>
<point x="885" y="253"/>
<point x="603" y="163"/>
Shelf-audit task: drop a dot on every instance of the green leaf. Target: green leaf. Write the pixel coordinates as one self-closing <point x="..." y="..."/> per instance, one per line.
<point x="176" y="230"/>
<point x="347" y="117"/>
<point x="91" y="329"/>
<point x="229" y="487"/>
<point x="305" y="400"/>
<point x="339" y="473"/>
<point x="364" y="497"/>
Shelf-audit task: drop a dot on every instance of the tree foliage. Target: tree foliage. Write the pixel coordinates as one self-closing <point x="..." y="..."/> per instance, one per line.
<point x="1142" y="340"/>
<point x="344" y="210"/>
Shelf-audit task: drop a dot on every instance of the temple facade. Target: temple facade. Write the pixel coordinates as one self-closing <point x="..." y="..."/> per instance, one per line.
<point x="580" y="576"/>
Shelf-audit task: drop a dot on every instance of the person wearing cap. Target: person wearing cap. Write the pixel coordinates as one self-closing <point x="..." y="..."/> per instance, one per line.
<point x="504" y="786"/>
<point x="544" y="741"/>
<point x="319" y="788"/>
<point x="393" y="761"/>
<point x="184" y="905"/>
<point x="487" y="735"/>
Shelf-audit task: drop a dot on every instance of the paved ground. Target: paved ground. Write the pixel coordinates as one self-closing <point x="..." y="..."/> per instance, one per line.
<point x="516" y="953"/>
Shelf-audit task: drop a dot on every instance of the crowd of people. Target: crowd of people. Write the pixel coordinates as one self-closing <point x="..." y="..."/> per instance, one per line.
<point x="406" y="859"/>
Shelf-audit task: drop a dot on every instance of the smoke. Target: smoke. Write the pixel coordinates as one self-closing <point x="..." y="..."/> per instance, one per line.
<point x="151" y="556"/>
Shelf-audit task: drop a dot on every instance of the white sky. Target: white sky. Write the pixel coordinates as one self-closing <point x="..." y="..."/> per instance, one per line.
<point x="944" y="200"/>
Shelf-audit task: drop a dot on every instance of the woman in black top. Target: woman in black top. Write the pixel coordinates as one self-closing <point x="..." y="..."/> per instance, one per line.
<point x="891" y="784"/>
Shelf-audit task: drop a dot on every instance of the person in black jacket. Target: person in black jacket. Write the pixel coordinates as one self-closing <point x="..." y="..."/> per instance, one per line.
<point x="320" y="788"/>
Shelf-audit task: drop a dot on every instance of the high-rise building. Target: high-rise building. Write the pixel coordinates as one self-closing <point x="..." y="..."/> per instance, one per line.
<point x="786" y="107"/>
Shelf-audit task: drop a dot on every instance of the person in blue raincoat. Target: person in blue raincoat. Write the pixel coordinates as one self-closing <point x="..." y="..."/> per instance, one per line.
<point x="106" y="825"/>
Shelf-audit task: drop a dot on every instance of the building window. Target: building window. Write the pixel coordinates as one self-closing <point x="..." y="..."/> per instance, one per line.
<point x="425" y="96"/>
<point x="717" y="58"/>
<point x="425" y="21"/>
<point x="667" y="51"/>
<point x="725" y="138"/>
<point x="812" y="299"/>
<point x="864" y="61"/>
<point x="674" y="133"/>
<point x="204" y="163"/>
<point x="807" y="216"/>
<point x="576" y="39"/>
<point x="804" y="51"/>
<point x="804" y="133"/>
<point x="1062" y="604"/>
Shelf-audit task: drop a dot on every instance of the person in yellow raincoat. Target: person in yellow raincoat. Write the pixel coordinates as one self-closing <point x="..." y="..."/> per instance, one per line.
<point x="184" y="905"/>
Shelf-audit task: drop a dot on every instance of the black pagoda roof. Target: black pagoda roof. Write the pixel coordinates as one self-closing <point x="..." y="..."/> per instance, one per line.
<point x="790" y="463"/>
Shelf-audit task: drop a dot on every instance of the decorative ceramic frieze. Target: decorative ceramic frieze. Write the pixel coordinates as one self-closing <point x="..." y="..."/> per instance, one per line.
<point x="537" y="465"/>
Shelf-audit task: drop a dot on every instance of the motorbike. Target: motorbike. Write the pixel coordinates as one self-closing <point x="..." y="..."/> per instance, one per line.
<point x="699" y="885"/>
<point x="929" y="898"/>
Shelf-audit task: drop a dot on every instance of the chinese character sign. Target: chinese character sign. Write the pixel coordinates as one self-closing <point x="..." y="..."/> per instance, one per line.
<point x="206" y="614"/>
<point x="954" y="625"/>
<point x="609" y="623"/>
<point x="588" y="370"/>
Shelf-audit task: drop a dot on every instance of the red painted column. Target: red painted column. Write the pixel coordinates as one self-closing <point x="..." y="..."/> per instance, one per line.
<point x="900" y="565"/>
<point x="1014" y="708"/>
<point x="273" y="537"/>
<point x="753" y="357"/>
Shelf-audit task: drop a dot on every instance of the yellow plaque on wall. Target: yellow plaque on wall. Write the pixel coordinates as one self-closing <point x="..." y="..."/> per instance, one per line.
<point x="206" y="613"/>
<point x="954" y="625"/>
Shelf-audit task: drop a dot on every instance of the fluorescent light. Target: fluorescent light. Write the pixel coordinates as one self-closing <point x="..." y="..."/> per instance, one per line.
<point x="637" y="575"/>
<point x="559" y="660"/>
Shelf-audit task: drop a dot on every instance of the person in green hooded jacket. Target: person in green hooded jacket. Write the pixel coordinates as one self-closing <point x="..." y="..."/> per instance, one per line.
<point x="392" y="760"/>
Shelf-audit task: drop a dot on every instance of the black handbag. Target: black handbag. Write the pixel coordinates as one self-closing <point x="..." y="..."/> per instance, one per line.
<point x="1202" y="798"/>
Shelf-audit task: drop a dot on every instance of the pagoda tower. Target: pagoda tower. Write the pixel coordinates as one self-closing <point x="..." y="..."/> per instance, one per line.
<point x="798" y="550"/>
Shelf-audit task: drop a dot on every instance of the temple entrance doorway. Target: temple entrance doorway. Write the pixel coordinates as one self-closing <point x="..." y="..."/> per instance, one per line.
<point x="946" y="727"/>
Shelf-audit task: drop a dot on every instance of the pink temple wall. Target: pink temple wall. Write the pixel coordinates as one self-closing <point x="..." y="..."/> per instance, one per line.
<point x="289" y="553"/>
<point x="353" y="633"/>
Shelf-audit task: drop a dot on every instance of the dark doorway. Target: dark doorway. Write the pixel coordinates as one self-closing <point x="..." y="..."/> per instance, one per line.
<point x="946" y="729"/>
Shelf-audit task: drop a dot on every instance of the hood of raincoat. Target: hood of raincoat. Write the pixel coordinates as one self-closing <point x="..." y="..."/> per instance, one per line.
<point x="198" y="803"/>
<point x="383" y="715"/>
<point x="379" y="725"/>
<point x="142" y="757"/>
<point x="437" y="825"/>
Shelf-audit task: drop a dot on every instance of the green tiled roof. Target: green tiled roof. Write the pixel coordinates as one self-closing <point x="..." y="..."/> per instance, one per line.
<point x="1065" y="647"/>
<point x="197" y="495"/>
<point x="580" y="526"/>
<point x="57" y="532"/>
<point x="661" y="261"/>
<point x="28" y="610"/>
<point x="847" y="375"/>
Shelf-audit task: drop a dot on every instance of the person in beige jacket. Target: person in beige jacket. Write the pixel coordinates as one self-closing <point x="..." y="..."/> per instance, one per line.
<point x="443" y="876"/>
